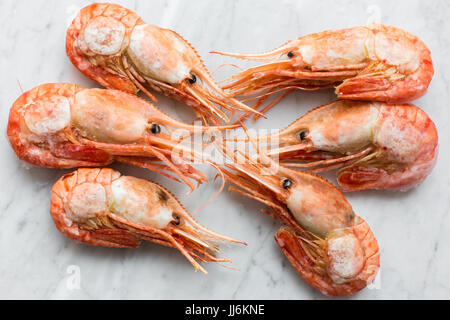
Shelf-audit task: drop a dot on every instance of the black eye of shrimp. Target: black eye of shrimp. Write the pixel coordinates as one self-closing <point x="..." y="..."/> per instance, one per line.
<point x="177" y="220"/>
<point x="156" y="128"/>
<point x="193" y="79"/>
<point x="287" y="184"/>
<point x="303" y="135"/>
<point x="290" y="55"/>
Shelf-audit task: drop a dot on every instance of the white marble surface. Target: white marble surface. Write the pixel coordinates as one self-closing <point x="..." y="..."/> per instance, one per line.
<point x="36" y="261"/>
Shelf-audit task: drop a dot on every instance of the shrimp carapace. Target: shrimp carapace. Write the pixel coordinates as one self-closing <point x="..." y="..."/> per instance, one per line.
<point x="114" y="47"/>
<point x="66" y="126"/>
<point x="375" y="145"/>
<point x="332" y="248"/>
<point x="101" y="207"/>
<point x="373" y="63"/>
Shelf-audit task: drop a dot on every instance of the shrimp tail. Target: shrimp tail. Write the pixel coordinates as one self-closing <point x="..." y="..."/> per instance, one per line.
<point x="293" y="248"/>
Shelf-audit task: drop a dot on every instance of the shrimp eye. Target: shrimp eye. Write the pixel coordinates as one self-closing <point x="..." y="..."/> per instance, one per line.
<point x="156" y="128"/>
<point x="287" y="184"/>
<point x="177" y="220"/>
<point x="303" y="135"/>
<point x="193" y="79"/>
<point x="290" y="54"/>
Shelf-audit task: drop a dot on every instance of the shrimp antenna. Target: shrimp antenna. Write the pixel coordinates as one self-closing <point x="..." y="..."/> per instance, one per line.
<point x="214" y="197"/>
<point x="20" y="85"/>
<point x="226" y="65"/>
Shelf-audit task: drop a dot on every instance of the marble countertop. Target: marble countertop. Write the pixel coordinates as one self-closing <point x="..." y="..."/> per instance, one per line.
<point x="37" y="262"/>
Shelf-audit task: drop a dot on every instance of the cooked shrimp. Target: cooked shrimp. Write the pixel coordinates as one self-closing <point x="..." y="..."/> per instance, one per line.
<point x="114" y="47"/>
<point x="330" y="247"/>
<point x="67" y="126"/>
<point x="378" y="146"/>
<point x="375" y="62"/>
<point x="101" y="207"/>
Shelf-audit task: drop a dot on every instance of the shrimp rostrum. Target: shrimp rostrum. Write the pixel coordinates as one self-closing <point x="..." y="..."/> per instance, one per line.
<point x="375" y="145"/>
<point x="330" y="247"/>
<point x="66" y="126"/>
<point x="375" y="62"/>
<point x="114" y="47"/>
<point x="101" y="207"/>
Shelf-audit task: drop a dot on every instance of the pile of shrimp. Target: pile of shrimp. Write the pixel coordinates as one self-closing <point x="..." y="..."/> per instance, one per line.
<point x="372" y="135"/>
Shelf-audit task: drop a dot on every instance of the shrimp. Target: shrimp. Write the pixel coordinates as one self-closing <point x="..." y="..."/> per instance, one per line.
<point x="374" y="62"/>
<point x="330" y="247"/>
<point x="66" y="126"/>
<point x="101" y="207"/>
<point x="114" y="47"/>
<point x="377" y="146"/>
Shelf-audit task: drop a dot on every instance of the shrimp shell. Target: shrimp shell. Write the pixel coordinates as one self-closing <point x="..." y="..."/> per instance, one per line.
<point x="374" y="63"/>
<point x="101" y="207"/>
<point x="114" y="47"/>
